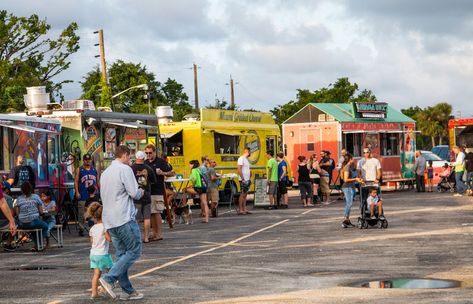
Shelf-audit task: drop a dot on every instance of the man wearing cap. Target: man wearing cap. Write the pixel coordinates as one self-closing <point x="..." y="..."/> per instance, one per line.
<point x="85" y="177"/>
<point x="369" y="169"/>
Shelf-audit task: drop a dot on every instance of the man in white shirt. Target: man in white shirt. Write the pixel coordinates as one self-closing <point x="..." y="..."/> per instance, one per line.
<point x="245" y="180"/>
<point x="369" y="169"/>
<point x="118" y="190"/>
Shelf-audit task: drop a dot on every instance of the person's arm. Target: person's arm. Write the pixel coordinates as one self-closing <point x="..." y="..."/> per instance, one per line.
<point x="284" y="171"/>
<point x="107" y="236"/>
<point x="240" y="169"/>
<point x="8" y="215"/>
<point x="378" y="172"/>
<point x="76" y="184"/>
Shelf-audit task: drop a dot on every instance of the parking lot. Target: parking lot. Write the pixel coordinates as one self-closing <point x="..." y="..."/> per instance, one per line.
<point x="295" y="255"/>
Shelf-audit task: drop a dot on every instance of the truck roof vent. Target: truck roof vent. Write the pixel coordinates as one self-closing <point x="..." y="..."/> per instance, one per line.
<point x="36" y="99"/>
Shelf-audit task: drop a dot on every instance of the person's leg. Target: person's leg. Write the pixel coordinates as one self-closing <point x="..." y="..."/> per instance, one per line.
<point x="81" y="217"/>
<point x="95" y="282"/>
<point x="29" y="225"/>
<point x="303" y="192"/>
<point x="348" y="193"/>
<point x="380" y="208"/>
<point x="146" y="221"/>
<point x="51" y="222"/>
<point x="422" y="183"/>
<point x="372" y="210"/>
<point x="459" y="182"/>
<point x="417" y="183"/>
<point x="204" y="206"/>
<point x="40" y="224"/>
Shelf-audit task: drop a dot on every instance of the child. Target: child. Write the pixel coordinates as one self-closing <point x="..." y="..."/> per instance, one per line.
<point x="93" y="197"/>
<point x="373" y="201"/>
<point x="100" y="259"/>
<point x="446" y="171"/>
<point x="50" y="211"/>
<point x="430" y="175"/>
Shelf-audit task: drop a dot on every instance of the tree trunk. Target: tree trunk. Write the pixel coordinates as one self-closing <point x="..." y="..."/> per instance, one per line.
<point x="433" y="141"/>
<point x="441" y="140"/>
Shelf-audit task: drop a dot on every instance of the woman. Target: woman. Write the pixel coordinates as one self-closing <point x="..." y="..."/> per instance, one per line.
<point x="29" y="209"/>
<point x="305" y="187"/>
<point x="199" y="187"/>
<point x="314" y="168"/>
<point x="348" y="175"/>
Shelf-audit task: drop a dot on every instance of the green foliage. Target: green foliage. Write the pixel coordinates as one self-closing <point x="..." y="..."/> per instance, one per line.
<point x="125" y="75"/>
<point x="221" y="104"/>
<point x="29" y="57"/>
<point x="342" y="91"/>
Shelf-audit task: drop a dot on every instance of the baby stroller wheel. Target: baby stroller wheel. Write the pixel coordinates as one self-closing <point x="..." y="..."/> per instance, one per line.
<point x="360" y="223"/>
<point x="380" y="224"/>
<point x="452" y="190"/>
<point x="385" y="224"/>
<point x="365" y="224"/>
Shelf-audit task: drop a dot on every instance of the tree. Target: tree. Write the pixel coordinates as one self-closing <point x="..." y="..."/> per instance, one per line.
<point x="342" y="91"/>
<point x="125" y="75"/>
<point x="29" y="57"/>
<point x="221" y="104"/>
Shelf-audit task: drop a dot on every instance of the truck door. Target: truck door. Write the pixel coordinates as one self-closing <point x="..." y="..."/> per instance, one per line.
<point x="271" y="144"/>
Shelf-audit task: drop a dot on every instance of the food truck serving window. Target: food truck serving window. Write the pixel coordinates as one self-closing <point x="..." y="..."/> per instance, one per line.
<point x="389" y="143"/>
<point x="173" y="143"/>
<point x="226" y="144"/>
<point x="353" y="143"/>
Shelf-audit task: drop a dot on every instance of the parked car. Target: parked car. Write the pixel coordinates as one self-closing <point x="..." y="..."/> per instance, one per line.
<point x="442" y="151"/>
<point x="437" y="164"/>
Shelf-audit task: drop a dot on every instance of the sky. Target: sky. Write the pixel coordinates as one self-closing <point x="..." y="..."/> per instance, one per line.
<point x="407" y="52"/>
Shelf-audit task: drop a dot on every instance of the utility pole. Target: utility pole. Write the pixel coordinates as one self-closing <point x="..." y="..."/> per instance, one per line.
<point x="102" y="55"/>
<point x="196" y="90"/>
<point x="232" y="93"/>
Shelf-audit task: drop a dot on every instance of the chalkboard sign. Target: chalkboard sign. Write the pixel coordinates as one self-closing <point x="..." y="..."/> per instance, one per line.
<point x="261" y="195"/>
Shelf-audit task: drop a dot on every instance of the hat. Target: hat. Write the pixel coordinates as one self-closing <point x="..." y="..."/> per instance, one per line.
<point x="140" y="155"/>
<point x="87" y="156"/>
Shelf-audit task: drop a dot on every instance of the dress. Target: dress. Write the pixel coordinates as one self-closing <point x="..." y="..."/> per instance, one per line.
<point x="99" y="256"/>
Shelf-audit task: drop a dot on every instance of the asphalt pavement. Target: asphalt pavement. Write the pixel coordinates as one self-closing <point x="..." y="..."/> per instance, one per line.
<point x="295" y="255"/>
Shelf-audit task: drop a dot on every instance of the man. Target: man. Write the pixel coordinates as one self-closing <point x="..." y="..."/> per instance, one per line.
<point x="144" y="176"/>
<point x="85" y="177"/>
<point x="119" y="189"/>
<point x="326" y="168"/>
<point x="244" y="172"/>
<point x="328" y="164"/>
<point x="21" y="173"/>
<point x="214" y="179"/>
<point x="369" y="169"/>
<point x="419" y="168"/>
<point x="161" y="169"/>
<point x="282" y="180"/>
<point x="459" y="170"/>
<point x="272" y="179"/>
<point x="343" y="154"/>
<point x="7" y="220"/>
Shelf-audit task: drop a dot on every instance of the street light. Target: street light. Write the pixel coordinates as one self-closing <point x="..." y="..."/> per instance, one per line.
<point x="143" y="86"/>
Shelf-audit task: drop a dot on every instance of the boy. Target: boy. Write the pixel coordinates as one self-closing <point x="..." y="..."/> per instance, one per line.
<point x="373" y="201"/>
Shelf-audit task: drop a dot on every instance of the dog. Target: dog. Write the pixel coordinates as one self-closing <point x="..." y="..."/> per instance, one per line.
<point x="184" y="212"/>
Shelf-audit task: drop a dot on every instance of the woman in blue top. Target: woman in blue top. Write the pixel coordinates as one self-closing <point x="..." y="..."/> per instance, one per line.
<point x="29" y="209"/>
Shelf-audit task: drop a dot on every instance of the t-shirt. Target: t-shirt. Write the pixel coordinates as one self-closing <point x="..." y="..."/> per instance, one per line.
<point x="50" y="208"/>
<point x="87" y="178"/>
<point x="368" y="168"/>
<point x="145" y="178"/>
<point x="195" y="178"/>
<point x="99" y="243"/>
<point x="3" y="218"/>
<point x="273" y="165"/>
<point x="372" y="200"/>
<point x="204" y="170"/>
<point x="280" y="170"/>
<point x="158" y="163"/>
<point x="420" y="164"/>
<point x="346" y="184"/>
<point x="212" y="173"/>
<point x="28" y="207"/>
<point x="245" y="167"/>
<point x="21" y="174"/>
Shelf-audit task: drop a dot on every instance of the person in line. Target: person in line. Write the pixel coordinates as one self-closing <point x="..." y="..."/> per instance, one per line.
<point x="162" y="170"/>
<point x="204" y="172"/>
<point x="29" y="208"/>
<point x="314" y="167"/>
<point x="374" y="201"/>
<point x="50" y="210"/>
<point x="244" y="173"/>
<point x="282" y="181"/>
<point x="100" y="259"/>
<point x="305" y="186"/>
<point x="272" y="176"/>
<point x="6" y="218"/>
<point x="168" y="189"/>
<point x="469" y="172"/>
<point x="214" y="182"/>
<point x="145" y="177"/>
<point x="85" y="177"/>
<point x="339" y="166"/>
<point x="369" y="169"/>
<point x="419" y="168"/>
<point x="459" y="171"/>
<point x="22" y="173"/>
<point x="430" y="176"/>
<point x="198" y="188"/>
<point x="348" y="172"/>
<point x="328" y="164"/>
<point x="325" y="171"/>
<point x="119" y="189"/>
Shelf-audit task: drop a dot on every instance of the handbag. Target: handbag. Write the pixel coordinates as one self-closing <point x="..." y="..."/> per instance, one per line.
<point x="289" y="183"/>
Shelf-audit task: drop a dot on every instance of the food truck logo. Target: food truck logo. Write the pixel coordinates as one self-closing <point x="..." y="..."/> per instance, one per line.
<point x="371" y="110"/>
<point x="252" y="141"/>
<point x="92" y="139"/>
<point x="240" y="117"/>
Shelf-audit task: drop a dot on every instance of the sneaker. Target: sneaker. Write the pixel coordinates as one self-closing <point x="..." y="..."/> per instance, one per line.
<point x="108" y="288"/>
<point x="9" y="248"/>
<point x="381" y="217"/>
<point x="344" y="225"/>
<point x="458" y="194"/>
<point x="350" y="225"/>
<point x="132" y="296"/>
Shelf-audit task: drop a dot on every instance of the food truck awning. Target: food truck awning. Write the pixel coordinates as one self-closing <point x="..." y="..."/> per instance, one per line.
<point x="133" y="125"/>
<point x="169" y="134"/>
<point x="28" y="128"/>
<point x="229" y="132"/>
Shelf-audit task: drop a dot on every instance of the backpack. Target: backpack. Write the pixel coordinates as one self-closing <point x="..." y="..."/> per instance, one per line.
<point x="203" y="181"/>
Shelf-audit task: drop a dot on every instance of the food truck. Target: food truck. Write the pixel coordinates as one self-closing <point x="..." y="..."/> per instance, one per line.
<point x="221" y="135"/>
<point x="460" y="133"/>
<point x="353" y="126"/>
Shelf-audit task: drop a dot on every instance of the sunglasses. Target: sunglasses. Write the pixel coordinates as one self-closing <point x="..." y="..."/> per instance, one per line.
<point x="366" y="152"/>
<point x="148" y="153"/>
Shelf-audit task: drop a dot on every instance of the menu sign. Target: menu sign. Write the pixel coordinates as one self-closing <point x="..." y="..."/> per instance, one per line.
<point x="371" y="110"/>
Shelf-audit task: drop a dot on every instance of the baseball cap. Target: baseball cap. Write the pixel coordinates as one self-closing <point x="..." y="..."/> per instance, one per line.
<point x="87" y="156"/>
<point x="140" y="155"/>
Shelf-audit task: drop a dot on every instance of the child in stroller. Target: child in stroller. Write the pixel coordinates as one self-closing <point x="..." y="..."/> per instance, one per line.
<point x="371" y="208"/>
<point x="447" y="179"/>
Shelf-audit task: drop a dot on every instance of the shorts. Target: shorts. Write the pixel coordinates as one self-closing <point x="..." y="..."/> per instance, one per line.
<point x="273" y="188"/>
<point x="245" y="186"/>
<point x="157" y="204"/>
<point x="306" y="190"/>
<point x="214" y="195"/>
<point x="101" y="262"/>
<point x="201" y="190"/>
<point x="282" y="188"/>
<point x="324" y="185"/>
<point x="144" y="211"/>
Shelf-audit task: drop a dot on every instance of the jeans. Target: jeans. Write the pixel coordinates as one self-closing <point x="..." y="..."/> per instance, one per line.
<point x="349" y="194"/>
<point x="35" y="224"/>
<point x="420" y="183"/>
<point x="469" y="181"/>
<point x="460" y="185"/>
<point x="127" y="242"/>
<point x="51" y="222"/>
<point x="306" y="190"/>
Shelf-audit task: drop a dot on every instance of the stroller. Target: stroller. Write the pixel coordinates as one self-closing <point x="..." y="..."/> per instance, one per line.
<point x="364" y="220"/>
<point x="447" y="183"/>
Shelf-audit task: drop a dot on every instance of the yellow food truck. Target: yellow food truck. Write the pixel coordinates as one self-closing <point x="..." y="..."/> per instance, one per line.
<point x="221" y="135"/>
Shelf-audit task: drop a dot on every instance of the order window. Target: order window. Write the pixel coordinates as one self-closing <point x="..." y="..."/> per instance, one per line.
<point x="226" y="144"/>
<point x="389" y="144"/>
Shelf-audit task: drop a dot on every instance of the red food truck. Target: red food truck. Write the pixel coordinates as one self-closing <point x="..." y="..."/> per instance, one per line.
<point x="353" y="126"/>
<point x="460" y="133"/>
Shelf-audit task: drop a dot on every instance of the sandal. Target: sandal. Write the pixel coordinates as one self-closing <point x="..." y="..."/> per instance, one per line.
<point x="34" y="249"/>
<point x="156" y="239"/>
<point x="145" y="241"/>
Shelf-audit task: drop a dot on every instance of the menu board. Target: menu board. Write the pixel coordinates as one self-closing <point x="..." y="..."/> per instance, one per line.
<point x="261" y="193"/>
